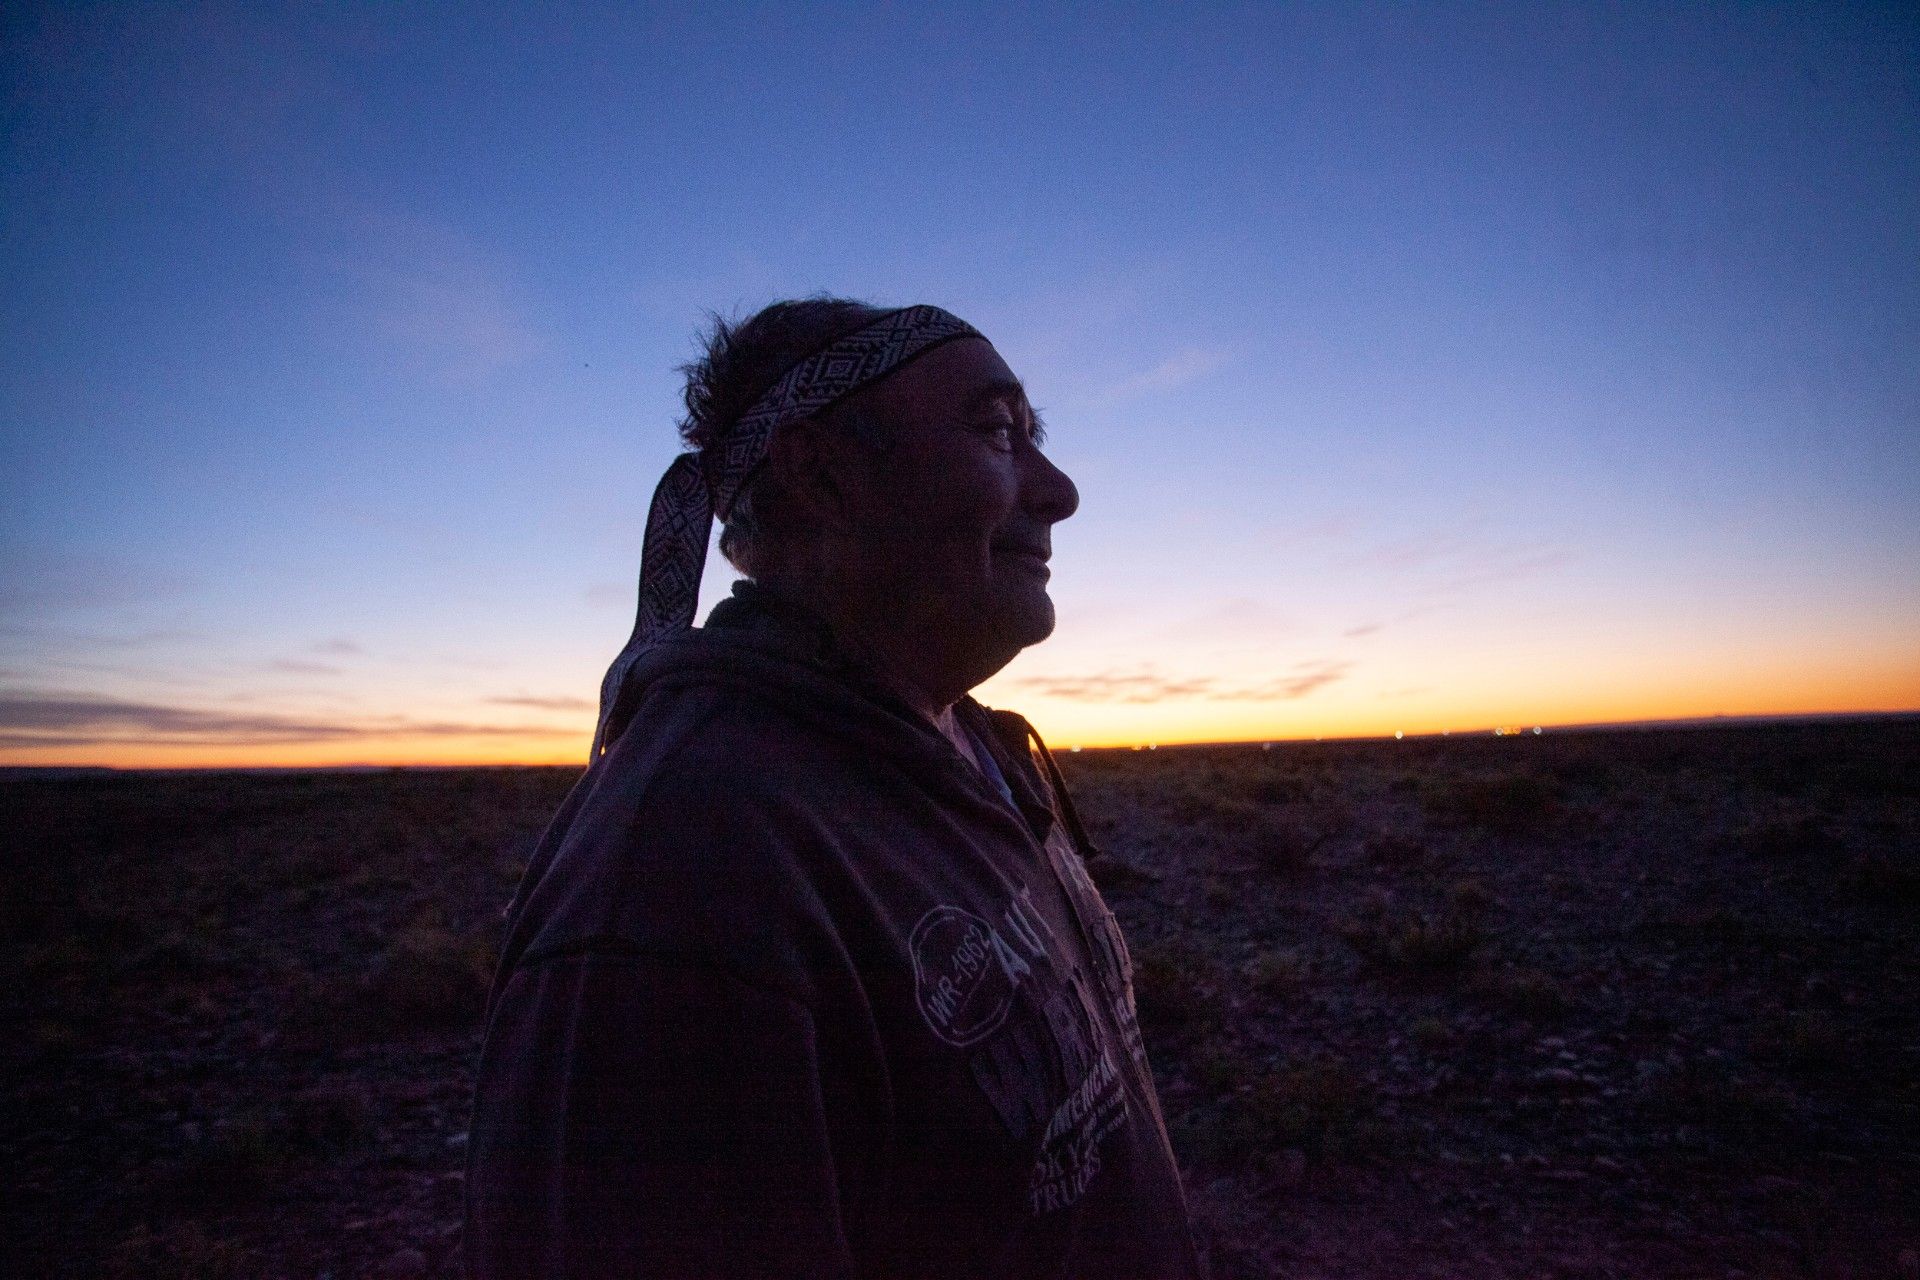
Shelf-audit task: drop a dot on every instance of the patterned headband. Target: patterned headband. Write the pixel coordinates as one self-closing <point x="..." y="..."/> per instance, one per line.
<point x="697" y="485"/>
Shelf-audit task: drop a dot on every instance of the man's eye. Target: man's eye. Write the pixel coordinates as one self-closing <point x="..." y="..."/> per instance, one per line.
<point x="998" y="431"/>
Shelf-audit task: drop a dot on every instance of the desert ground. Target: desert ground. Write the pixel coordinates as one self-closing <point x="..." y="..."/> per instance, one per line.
<point x="1593" y="1004"/>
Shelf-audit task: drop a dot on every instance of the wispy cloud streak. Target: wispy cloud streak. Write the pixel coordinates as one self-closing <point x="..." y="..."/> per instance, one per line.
<point x="65" y="720"/>
<point x="1185" y="366"/>
<point x="558" y="703"/>
<point x="1149" y="686"/>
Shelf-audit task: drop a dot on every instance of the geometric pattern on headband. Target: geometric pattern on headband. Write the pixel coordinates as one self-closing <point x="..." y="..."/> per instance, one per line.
<point x="698" y="486"/>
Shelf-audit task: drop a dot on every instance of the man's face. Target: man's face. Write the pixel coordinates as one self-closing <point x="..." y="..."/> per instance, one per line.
<point x="953" y="523"/>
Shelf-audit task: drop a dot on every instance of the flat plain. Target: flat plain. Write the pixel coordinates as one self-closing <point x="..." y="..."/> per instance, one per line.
<point x="1587" y="1004"/>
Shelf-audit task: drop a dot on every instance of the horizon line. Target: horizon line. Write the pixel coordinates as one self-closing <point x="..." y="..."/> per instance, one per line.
<point x="1734" y="720"/>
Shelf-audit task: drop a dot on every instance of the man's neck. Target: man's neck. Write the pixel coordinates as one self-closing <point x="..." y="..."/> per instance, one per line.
<point x="896" y="663"/>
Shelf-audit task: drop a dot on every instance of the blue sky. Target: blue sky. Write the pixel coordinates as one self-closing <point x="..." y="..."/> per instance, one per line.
<point x="1420" y="366"/>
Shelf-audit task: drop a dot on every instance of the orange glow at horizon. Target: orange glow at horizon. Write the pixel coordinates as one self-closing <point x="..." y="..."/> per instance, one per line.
<point x="1890" y="687"/>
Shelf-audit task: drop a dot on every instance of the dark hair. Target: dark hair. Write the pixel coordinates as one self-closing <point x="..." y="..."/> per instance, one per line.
<point x="738" y="363"/>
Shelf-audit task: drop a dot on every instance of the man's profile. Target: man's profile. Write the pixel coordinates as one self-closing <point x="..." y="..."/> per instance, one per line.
<point x="807" y="977"/>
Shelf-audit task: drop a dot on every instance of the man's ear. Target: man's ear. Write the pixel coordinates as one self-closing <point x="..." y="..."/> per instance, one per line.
<point x="809" y="463"/>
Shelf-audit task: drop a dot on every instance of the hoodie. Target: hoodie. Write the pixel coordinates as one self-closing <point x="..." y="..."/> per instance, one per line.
<point x="791" y="989"/>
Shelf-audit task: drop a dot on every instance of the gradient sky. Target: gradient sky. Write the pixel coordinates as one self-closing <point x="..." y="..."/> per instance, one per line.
<point x="1421" y="367"/>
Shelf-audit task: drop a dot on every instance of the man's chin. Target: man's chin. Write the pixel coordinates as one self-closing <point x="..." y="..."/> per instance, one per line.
<point x="1028" y="620"/>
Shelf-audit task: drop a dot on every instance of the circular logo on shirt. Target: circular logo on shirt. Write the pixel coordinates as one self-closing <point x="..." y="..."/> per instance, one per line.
<point x="964" y="989"/>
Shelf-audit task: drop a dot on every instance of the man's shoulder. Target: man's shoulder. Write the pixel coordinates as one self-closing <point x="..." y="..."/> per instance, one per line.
<point x="710" y="821"/>
<point x="739" y="737"/>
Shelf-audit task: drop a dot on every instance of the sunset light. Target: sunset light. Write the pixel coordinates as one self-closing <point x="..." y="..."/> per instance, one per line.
<point x="1416" y="377"/>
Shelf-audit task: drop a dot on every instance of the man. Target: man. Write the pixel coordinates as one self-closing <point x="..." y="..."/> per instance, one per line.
<point x="807" y="977"/>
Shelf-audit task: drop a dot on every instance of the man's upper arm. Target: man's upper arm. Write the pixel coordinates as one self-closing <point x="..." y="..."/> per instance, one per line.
<point x="637" y="1116"/>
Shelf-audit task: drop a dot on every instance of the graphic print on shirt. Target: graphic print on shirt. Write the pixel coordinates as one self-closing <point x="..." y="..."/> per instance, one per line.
<point x="1048" y="1075"/>
<point x="1116" y="964"/>
<point x="961" y="975"/>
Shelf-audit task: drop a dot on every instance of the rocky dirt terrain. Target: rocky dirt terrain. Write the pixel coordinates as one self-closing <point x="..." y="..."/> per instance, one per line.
<point x="1585" y="1005"/>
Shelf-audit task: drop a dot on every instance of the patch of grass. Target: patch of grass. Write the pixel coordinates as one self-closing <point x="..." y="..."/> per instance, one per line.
<point x="1114" y="874"/>
<point x="181" y="954"/>
<point x="1890" y="876"/>
<point x="1715" y="926"/>
<point x="1805" y="1040"/>
<point x="1221" y="1069"/>
<point x="1507" y="803"/>
<point x="1390" y="849"/>
<point x="1280" y="789"/>
<point x="244" y="1158"/>
<point x="1174" y="991"/>
<point x="1282" y="847"/>
<point x="1706" y="1101"/>
<point x="1315" y="1108"/>
<point x="429" y="977"/>
<point x="1781" y="838"/>
<point x="177" y="1251"/>
<point x="1410" y="942"/>
<point x="1531" y="993"/>
<point x="1278" y="971"/>
<point x="1220" y="892"/>
<point x="332" y="1121"/>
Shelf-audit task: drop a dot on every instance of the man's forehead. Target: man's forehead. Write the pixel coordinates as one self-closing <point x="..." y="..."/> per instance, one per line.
<point x="956" y="375"/>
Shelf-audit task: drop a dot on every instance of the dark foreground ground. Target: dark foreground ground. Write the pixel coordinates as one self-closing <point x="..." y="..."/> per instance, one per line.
<point x="1604" y="1004"/>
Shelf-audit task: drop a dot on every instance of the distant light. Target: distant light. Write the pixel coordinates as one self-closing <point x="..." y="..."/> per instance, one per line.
<point x="1397" y="735"/>
<point x="1151" y="747"/>
<point x="1075" y="749"/>
<point x="1536" y="728"/>
<point x="1266" y="746"/>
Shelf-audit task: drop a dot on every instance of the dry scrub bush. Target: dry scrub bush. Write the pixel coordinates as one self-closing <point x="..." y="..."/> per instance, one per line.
<point x="1283" y="847"/>
<point x="1530" y="993"/>
<point x="1890" y="876"/>
<point x="1315" y="1109"/>
<point x="430" y="977"/>
<point x="1811" y="1041"/>
<point x="1781" y="837"/>
<point x="1506" y="803"/>
<point x="1390" y="849"/>
<point x="1276" y="972"/>
<point x="1174" y="990"/>
<point x="1410" y="942"/>
<point x="178" y="1251"/>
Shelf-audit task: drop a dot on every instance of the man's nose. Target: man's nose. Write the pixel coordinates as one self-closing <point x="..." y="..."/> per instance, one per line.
<point x="1046" y="490"/>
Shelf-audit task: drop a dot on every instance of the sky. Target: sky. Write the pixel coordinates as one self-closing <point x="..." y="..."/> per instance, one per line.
<point x="1421" y="367"/>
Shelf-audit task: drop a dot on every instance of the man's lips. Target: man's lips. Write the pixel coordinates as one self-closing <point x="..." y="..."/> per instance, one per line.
<point x="1035" y="557"/>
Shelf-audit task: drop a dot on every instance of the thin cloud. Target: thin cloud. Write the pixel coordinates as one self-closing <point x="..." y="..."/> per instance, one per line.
<point x="302" y="667"/>
<point x="560" y="703"/>
<point x="1364" y="629"/>
<point x="67" y="639"/>
<point x="44" y="580"/>
<point x="1511" y="568"/>
<point x="1456" y="560"/>
<point x="439" y="300"/>
<point x="1335" y="528"/>
<point x="1419" y="551"/>
<point x="1147" y="686"/>
<point x="339" y="647"/>
<point x="1185" y="366"/>
<point x="1237" y="616"/>
<point x="1312" y="676"/>
<point x="1113" y="686"/>
<point x="44" y="719"/>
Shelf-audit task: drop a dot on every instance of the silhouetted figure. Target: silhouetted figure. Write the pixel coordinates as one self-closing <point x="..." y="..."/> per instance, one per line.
<point x="807" y="977"/>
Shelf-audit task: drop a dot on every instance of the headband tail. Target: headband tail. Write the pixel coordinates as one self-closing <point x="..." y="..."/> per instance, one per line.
<point x="672" y="556"/>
